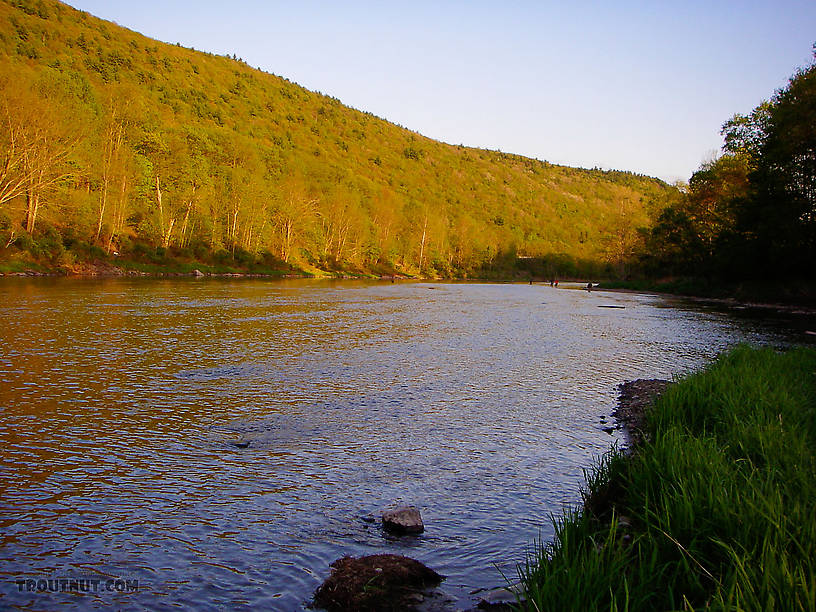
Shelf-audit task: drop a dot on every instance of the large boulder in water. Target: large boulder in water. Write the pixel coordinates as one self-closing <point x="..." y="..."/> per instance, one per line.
<point x="376" y="583"/>
<point x="403" y="520"/>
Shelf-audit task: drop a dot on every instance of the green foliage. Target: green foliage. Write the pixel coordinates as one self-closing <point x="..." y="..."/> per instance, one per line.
<point x="247" y="162"/>
<point x="412" y="153"/>
<point x="30" y="7"/>
<point x="780" y="217"/>
<point x="715" y="511"/>
<point x="751" y="213"/>
<point x="690" y="236"/>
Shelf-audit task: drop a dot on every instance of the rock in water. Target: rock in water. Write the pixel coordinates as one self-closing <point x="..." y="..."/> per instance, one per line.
<point x="402" y="520"/>
<point x="502" y="599"/>
<point x="381" y="583"/>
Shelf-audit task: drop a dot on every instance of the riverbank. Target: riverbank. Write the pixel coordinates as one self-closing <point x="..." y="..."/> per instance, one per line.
<point x="715" y="509"/>
<point x="783" y="297"/>
<point x="244" y="265"/>
<point x="223" y="264"/>
<point x="169" y="266"/>
<point x="760" y="294"/>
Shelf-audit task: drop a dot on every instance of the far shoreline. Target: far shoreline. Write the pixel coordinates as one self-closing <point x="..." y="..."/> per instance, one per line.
<point x="803" y="304"/>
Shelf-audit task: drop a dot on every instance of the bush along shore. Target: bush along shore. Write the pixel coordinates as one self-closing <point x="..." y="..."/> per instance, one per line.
<point x="715" y="508"/>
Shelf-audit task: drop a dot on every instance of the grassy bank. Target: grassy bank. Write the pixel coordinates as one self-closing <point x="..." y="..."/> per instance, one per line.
<point x="716" y="510"/>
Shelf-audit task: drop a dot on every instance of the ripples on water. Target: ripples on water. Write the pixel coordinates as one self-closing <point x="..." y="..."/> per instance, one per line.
<point x="122" y="400"/>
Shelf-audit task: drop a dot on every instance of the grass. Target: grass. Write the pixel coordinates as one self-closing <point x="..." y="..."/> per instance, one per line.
<point x="16" y="265"/>
<point x="716" y="510"/>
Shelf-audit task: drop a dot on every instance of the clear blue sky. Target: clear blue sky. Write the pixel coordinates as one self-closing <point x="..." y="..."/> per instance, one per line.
<point x="640" y="86"/>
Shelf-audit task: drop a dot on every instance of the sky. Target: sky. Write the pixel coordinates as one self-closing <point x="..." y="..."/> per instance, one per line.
<point x="643" y="86"/>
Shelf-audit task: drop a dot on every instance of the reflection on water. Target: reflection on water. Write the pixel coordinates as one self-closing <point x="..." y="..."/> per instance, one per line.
<point x="122" y="401"/>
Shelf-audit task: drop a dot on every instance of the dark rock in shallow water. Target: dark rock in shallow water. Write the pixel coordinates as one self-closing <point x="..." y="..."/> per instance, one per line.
<point x="403" y="520"/>
<point x="241" y="444"/>
<point x="376" y="583"/>
<point x="502" y="599"/>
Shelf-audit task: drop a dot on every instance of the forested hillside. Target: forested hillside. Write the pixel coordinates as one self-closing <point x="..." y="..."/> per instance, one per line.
<point x="113" y="143"/>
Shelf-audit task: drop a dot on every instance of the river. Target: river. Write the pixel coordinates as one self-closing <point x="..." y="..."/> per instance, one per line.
<point x="122" y="400"/>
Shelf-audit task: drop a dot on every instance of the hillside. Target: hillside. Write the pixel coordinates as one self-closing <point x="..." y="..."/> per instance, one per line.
<point x="113" y="142"/>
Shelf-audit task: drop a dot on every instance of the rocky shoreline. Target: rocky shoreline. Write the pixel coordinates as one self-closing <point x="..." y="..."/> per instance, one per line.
<point x="634" y="399"/>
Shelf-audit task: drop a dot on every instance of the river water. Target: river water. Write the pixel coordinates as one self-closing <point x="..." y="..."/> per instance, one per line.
<point x="121" y="402"/>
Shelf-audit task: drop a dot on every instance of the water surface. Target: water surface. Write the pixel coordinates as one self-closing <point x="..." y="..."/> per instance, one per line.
<point x="121" y="401"/>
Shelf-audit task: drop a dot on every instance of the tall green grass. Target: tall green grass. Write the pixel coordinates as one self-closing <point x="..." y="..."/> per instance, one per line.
<point x="716" y="510"/>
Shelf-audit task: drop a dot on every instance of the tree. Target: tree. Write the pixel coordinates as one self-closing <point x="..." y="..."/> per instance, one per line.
<point x="113" y="140"/>
<point x="715" y="192"/>
<point x="779" y="220"/>
<point x="745" y="135"/>
<point x="752" y="211"/>
<point x="294" y="209"/>
<point x="672" y="246"/>
<point x="624" y="239"/>
<point x="696" y="234"/>
<point x="35" y="149"/>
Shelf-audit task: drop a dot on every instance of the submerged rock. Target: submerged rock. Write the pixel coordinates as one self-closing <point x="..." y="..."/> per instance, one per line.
<point x="381" y="583"/>
<point x="403" y="520"/>
<point x="502" y="599"/>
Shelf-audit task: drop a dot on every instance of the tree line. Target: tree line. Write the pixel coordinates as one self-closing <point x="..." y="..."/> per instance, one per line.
<point x="751" y="212"/>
